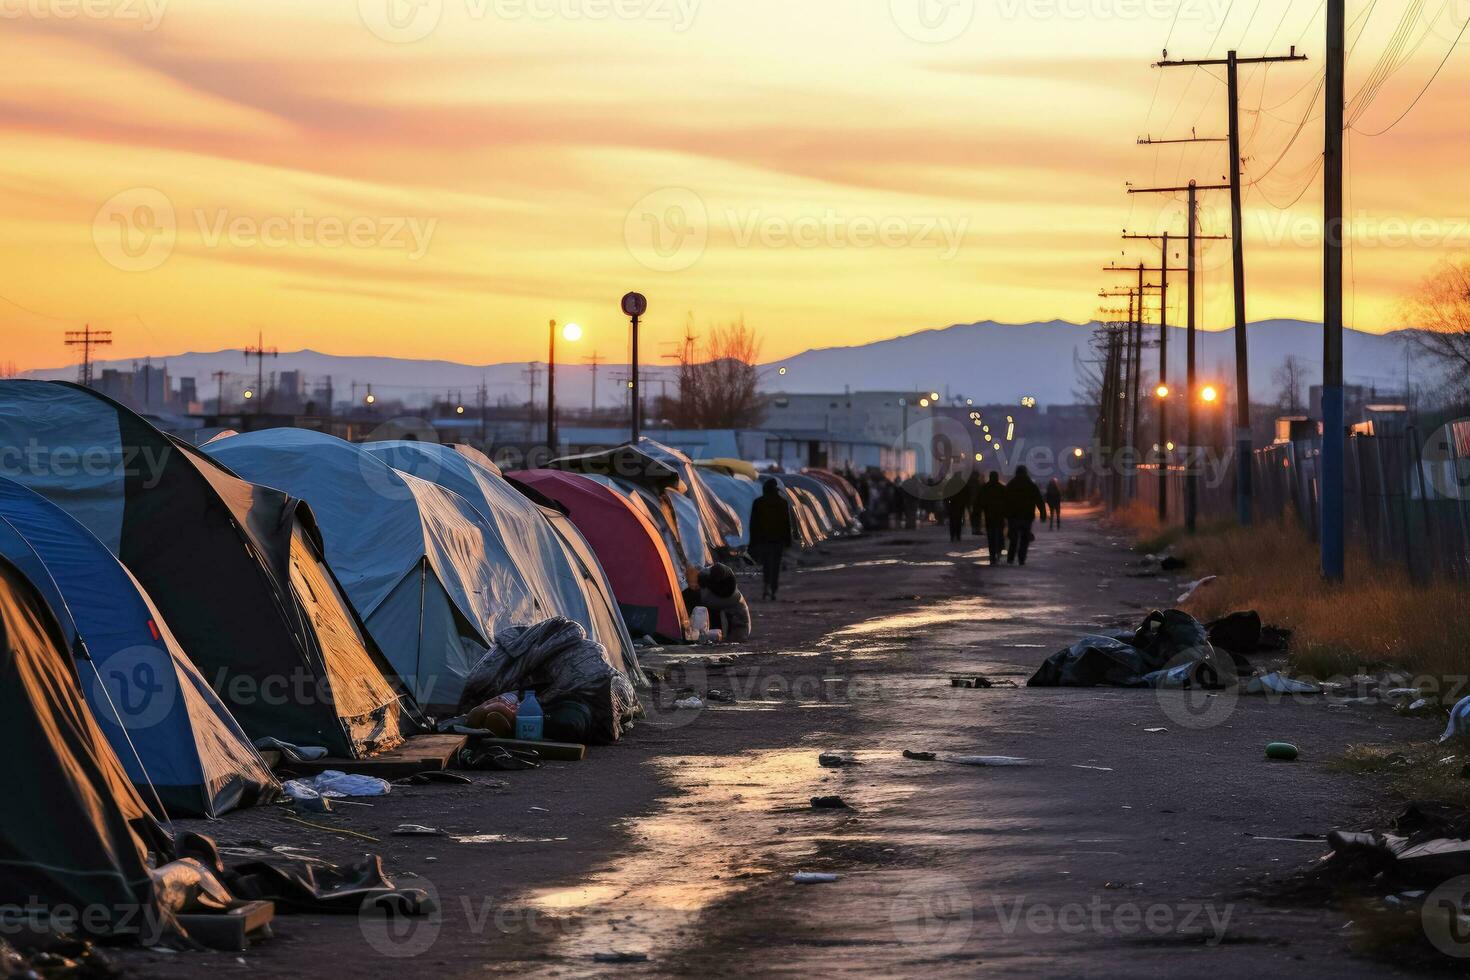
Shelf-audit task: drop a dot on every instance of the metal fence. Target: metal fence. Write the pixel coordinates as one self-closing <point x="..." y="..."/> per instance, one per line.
<point x="1407" y="499"/>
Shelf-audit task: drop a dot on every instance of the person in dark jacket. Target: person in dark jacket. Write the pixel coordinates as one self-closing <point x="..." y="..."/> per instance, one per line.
<point x="990" y="502"/>
<point x="1023" y="503"/>
<point x="955" y="503"/>
<point x="972" y="503"/>
<point x="770" y="535"/>
<point x="1054" y="505"/>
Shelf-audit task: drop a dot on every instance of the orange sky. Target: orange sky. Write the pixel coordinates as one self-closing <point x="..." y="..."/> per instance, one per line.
<point x="437" y="178"/>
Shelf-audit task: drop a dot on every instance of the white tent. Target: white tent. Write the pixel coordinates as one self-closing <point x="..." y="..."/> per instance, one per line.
<point x="548" y="549"/>
<point x="430" y="577"/>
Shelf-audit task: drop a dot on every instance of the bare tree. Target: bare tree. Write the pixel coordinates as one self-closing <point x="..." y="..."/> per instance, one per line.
<point x="7" y="369"/>
<point x="1440" y="310"/>
<point x="719" y="386"/>
<point x="1289" y="378"/>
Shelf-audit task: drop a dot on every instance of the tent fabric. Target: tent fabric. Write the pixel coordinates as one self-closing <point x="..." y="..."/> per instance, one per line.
<point x="841" y="484"/>
<point x="433" y="578"/>
<point x="638" y="565"/>
<point x="657" y="467"/>
<point x="215" y="554"/>
<point x="738" y="493"/>
<point x="540" y="544"/>
<point x="658" y="508"/>
<point x="175" y="739"/>
<point x="74" y="834"/>
<point x="731" y="467"/>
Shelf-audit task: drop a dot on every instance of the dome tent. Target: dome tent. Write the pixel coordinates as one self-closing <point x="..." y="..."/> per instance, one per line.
<point x="433" y="581"/>
<point x="548" y="550"/>
<point x="235" y="568"/>
<point x="173" y="736"/>
<point x="75" y="834"/>
<point x="639" y="566"/>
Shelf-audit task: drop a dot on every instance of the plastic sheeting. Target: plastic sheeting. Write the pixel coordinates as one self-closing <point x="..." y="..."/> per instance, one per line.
<point x="1170" y="649"/>
<point x="556" y="660"/>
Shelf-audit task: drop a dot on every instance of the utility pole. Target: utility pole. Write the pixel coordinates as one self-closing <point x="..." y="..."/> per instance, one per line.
<point x="1243" y="448"/>
<point x="481" y="399"/>
<point x="1191" y="472"/>
<point x="594" y="359"/>
<point x="87" y="338"/>
<point x="1162" y="456"/>
<point x="532" y="374"/>
<point x="219" y="401"/>
<point x="260" y="353"/>
<point x="1333" y="447"/>
<point x="551" y="392"/>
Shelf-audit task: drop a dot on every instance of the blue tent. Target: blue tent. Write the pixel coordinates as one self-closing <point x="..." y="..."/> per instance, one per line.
<point x="178" y="744"/>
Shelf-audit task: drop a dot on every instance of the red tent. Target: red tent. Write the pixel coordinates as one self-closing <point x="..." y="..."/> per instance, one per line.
<point x="629" y="547"/>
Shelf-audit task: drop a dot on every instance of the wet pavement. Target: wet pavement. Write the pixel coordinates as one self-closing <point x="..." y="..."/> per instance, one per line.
<point x="1131" y="846"/>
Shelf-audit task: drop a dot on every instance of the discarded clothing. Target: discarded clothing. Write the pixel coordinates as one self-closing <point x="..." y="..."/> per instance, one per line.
<point x="1169" y="650"/>
<point x="556" y="660"/>
<point x="334" y="785"/>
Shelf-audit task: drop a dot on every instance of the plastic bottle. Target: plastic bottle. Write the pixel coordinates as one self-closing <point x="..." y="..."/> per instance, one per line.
<point x="530" y="722"/>
<point x="699" y="620"/>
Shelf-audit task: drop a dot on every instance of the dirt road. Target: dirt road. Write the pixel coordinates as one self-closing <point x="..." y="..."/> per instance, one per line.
<point x="1130" y="848"/>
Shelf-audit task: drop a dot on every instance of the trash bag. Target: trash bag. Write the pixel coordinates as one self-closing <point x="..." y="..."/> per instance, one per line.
<point x="556" y="660"/>
<point x="1169" y="649"/>
<point x="1242" y="633"/>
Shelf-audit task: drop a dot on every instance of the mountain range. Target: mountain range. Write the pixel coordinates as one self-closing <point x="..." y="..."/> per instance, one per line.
<point x="988" y="361"/>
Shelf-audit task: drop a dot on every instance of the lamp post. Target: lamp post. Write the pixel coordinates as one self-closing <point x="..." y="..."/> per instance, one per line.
<point x="572" y="333"/>
<point x="634" y="305"/>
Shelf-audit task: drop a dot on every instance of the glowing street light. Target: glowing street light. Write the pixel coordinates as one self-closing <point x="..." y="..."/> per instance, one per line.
<point x="459" y="410"/>
<point x="934" y="396"/>
<point x="371" y="399"/>
<point x="1077" y="452"/>
<point x="1209" y="394"/>
<point x="1162" y="391"/>
<point x="782" y="372"/>
<point x="923" y="403"/>
<point x="249" y="394"/>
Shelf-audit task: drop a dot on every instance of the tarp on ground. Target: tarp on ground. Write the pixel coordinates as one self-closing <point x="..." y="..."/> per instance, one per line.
<point x="74" y="834"/>
<point x="1169" y="650"/>
<point x="632" y="552"/>
<point x="176" y="740"/>
<point x="539" y="542"/>
<point x="234" y="567"/>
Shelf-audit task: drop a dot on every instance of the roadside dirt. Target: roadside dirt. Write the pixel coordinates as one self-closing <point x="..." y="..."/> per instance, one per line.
<point x="1123" y="851"/>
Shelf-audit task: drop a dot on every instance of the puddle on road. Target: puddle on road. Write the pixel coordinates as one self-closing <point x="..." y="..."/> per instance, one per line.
<point x="702" y="845"/>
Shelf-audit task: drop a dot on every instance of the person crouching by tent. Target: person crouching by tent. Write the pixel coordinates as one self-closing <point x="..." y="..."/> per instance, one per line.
<point x="1023" y="503"/>
<point x="1054" y="505"/>
<point x="770" y="535"/>
<point x="718" y="592"/>
<point x="990" y="503"/>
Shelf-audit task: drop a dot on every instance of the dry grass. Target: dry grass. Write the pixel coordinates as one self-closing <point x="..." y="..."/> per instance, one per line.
<point x="1413" y="770"/>
<point x="1377" y="619"/>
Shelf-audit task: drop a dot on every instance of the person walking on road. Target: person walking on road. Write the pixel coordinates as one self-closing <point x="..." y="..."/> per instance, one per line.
<point x="990" y="504"/>
<point x="954" y="505"/>
<point x="1054" y="505"/>
<point x="1023" y="503"/>
<point x="770" y="535"/>
<point x="972" y="503"/>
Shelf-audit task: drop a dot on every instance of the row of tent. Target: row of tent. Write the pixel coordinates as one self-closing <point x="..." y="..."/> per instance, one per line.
<point x="287" y="585"/>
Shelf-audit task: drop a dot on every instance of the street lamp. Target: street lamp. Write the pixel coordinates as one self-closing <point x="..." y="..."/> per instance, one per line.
<point x="1162" y="391"/>
<point x="1209" y="394"/>
<point x="572" y="333"/>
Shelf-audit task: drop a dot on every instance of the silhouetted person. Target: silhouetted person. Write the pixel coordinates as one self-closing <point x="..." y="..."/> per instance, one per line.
<point x="1023" y="503"/>
<point x="972" y="503"/>
<point x="991" y="503"/>
<point x="770" y="535"/>
<point x="955" y="505"/>
<point x="1054" y="504"/>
